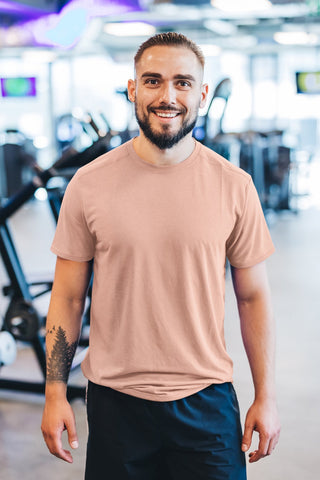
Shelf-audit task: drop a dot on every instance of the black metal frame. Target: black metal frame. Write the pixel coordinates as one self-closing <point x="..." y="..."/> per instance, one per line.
<point x="19" y="288"/>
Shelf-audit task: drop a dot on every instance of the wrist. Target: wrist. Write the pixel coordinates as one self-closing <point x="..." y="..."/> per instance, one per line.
<point x="265" y="397"/>
<point x="55" y="390"/>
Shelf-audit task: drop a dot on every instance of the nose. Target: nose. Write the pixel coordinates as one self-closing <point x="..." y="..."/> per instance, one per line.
<point x="167" y="94"/>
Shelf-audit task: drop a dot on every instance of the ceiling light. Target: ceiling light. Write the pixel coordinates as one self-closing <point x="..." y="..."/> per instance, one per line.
<point x="296" y="38"/>
<point x="39" y="56"/>
<point x="210" y="50"/>
<point x="241" y="5"/>
<point x="220" y="27"/>
<point x="129" y="29"/>
<point x="239" y="42"/>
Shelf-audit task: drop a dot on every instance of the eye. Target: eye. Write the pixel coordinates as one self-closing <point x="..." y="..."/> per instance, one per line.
<point x="184" y="83"/>
<point x="151" y="81"/>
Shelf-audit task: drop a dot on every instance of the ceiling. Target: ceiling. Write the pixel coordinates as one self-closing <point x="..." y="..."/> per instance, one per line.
<point x="79" y="26"/>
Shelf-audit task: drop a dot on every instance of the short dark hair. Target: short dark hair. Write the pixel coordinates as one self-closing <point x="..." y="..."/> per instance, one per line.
<point x="170" y="39"/>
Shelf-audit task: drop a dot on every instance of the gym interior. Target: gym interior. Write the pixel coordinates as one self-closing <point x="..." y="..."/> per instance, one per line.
<point x="64" y="67"/>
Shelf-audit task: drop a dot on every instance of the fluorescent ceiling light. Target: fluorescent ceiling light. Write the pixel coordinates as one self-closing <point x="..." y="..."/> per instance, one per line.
<point x="40" y="56"/>
<point x="210" y="50"/>
<point x="129" y="29"/>
<point x="220" y="27"/>
<point x="296" y="38"/>
<point x="241" y="5"/>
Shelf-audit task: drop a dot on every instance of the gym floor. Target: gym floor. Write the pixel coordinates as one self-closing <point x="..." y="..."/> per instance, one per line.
<point x="294" y="277"/>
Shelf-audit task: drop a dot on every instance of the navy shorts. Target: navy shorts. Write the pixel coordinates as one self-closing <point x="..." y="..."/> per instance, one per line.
<point x="195" y="438"/>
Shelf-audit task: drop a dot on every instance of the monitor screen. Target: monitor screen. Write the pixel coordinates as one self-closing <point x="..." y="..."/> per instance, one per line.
<point x="308" y="82"/>
<point x="18" y="87"/>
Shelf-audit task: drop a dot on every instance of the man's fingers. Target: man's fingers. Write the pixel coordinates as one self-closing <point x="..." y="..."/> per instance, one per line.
<point x="273" y="444"/>
<point x="57" y="417"/>
<point x="253" y="456"/>
<point x="53" y="439"/>
<point x="247" y="437"/>
<point x="256" y="455"/>
<point x="72" y="433"/>
<point x="63" y="455"/>
<point x="266" y="447"/>
<point x="263" y="446"/>
<point x="54" y="445"/>
<point x="263" y="418"/>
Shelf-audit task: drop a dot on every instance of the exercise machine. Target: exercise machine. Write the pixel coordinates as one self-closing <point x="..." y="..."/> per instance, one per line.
<point x="261" y="154"/>
<point x="17" y="156"/>
<point x="22" y="319"/>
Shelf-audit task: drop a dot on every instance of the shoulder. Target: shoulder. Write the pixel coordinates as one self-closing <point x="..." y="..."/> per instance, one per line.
<point x="103" y="163"/>
<point x="226" y="169"/>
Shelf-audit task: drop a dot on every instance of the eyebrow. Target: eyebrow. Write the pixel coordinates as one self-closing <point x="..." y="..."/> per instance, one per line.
<point x="151" y="74"/>
<point x="176" y="77"/>
<point x="185" y="77"/>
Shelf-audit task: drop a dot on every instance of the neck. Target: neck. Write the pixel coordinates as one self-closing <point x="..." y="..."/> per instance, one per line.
<point x="152" y="154"/>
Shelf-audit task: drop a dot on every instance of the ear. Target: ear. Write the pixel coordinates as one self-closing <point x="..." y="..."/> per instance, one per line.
<point x="131" y="90"/>
<point x="204" y="94"/>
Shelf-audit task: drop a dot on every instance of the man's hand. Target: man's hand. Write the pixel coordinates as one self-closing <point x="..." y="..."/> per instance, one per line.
<point x="57" y="417"/>
<point x="263" y="418"/>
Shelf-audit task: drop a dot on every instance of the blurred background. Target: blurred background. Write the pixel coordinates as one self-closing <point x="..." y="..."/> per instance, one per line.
<point x="64" y="67"/>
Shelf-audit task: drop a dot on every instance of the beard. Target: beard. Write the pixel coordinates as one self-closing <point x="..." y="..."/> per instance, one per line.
<point x="164" y="140"/>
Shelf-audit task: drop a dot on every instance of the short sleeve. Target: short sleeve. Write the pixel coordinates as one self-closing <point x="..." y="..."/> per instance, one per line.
<point x="250" y="241"/>
<point x="72" y="239"/>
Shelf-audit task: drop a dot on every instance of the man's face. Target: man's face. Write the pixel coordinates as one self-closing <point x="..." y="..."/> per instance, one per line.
<point x="167" y="92"/>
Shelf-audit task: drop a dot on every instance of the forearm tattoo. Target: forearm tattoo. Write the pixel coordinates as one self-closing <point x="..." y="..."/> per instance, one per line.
<point x="60" y="359"/>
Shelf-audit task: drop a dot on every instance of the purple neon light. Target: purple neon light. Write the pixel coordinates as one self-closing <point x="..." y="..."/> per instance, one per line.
<point x="8" y="6"/>
<point x="66" y="28"/>
<point x="102" y="8"/>
<point x="95" y="7"/>
<point x="60" y="30"/>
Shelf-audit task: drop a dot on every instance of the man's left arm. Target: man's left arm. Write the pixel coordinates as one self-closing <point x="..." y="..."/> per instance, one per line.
<point x="258" y="333"/>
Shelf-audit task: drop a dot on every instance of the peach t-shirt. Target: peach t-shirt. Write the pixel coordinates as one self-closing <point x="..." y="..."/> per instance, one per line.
<point x="159" y="236"/>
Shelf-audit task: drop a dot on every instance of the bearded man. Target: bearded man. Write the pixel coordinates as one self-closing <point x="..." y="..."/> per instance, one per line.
<point x="159" y="216"/>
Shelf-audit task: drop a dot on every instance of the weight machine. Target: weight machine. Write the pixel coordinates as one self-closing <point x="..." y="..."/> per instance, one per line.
<point x="22" y="320"/>
<point x="261" y="154"/>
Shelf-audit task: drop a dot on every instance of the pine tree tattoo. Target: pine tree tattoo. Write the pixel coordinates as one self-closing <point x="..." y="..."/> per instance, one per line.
<point x="60" y="360"/>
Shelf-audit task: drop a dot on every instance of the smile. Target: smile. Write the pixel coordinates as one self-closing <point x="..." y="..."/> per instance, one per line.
<point x="167" y="115"/>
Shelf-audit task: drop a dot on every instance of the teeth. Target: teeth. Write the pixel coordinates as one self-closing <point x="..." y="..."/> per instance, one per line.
<point x="167" y="115"/>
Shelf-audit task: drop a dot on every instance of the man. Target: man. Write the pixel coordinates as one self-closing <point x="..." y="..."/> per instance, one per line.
<point x="159" y="215"/>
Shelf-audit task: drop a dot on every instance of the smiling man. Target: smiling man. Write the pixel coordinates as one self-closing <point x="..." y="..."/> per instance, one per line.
<point x="159" y="215"/>
<point x="167" y="97"/>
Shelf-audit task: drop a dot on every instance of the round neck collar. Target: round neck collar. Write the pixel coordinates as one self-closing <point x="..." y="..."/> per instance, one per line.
<point x="184" y="163"/>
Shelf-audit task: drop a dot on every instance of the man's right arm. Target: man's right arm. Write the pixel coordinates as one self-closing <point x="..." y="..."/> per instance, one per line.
<point x="62" y="334"/>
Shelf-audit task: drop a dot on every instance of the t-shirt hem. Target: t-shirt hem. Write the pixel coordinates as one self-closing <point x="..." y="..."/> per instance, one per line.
<point x="166" y="397"/>
<point x="254" y="262"/>
<point x="67" y="256"/>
